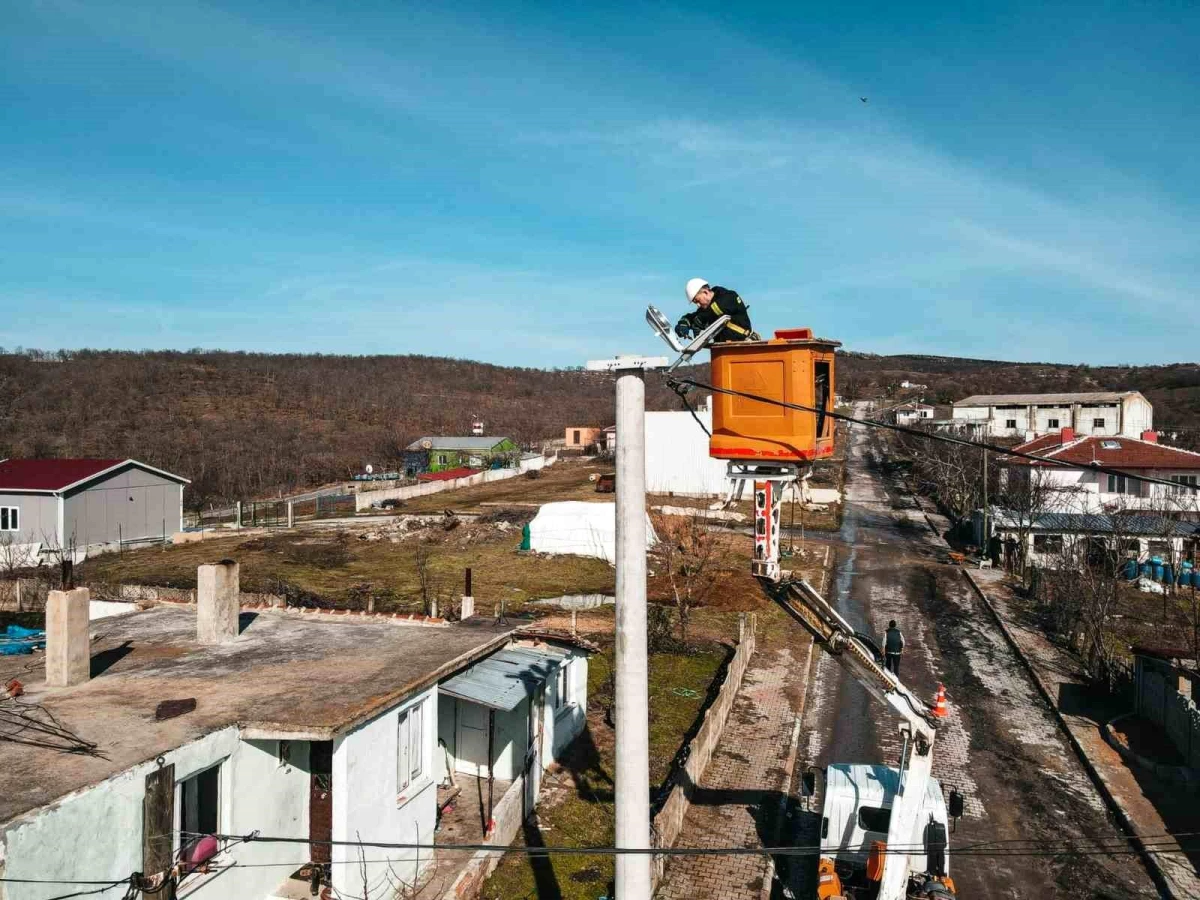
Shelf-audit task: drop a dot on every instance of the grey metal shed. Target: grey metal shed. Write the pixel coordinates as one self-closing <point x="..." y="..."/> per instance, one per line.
<point x="87" y="503"/>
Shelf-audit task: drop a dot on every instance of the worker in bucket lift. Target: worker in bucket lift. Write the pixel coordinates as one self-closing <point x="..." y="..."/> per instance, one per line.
<point x="893" y="646"/>
<point x="712" y="303"/>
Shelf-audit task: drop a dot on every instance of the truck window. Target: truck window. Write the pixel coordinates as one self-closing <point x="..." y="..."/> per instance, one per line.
<point x="873" y="818"/>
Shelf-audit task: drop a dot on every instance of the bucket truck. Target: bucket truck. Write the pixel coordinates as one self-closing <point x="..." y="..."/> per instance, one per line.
<point x="883" y="828"/>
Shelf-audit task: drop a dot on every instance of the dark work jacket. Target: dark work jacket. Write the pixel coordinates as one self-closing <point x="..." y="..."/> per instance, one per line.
<point x="725" y="302"/>
<point x="893" y="641"/>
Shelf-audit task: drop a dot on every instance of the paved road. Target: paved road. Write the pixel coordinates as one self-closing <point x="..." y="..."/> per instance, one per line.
<point x="737" y="801"/>
<point x="999" y="744"/>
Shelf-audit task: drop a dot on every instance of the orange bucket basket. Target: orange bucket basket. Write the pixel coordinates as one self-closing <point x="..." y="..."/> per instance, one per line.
<point x="793" y="367"/>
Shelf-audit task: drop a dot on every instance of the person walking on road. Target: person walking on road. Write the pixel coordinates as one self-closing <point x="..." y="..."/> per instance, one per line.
<point x="893" y="646"/>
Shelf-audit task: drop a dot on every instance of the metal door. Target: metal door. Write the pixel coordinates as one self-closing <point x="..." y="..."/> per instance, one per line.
<point x="471" y="737"/>
<point x="533" y="751"/>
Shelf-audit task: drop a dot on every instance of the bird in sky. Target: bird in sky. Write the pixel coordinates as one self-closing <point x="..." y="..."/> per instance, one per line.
<point x="863" y="99"/>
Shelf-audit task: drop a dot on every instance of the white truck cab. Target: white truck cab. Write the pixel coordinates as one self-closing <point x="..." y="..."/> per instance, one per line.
<point x="856" y="812"/>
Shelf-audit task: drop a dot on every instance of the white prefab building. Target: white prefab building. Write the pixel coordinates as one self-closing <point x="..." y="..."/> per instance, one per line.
<point x="1125" y="413"/>
<point x="314" y="728"/>
<point x="86" y="504"/>
<point x="677" y="460"/>
<point x="913" y="413"/>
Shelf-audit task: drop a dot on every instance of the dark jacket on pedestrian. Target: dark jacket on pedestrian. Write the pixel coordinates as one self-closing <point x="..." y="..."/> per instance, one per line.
<point x="893" y="641"/>
<point x="725" y="302"/>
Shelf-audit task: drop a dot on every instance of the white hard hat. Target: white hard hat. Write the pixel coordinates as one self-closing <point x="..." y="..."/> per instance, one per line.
<point x="694" y="287"/>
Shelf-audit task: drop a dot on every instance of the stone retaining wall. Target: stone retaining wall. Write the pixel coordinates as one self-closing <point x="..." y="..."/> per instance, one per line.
<point x="669" y="821"/>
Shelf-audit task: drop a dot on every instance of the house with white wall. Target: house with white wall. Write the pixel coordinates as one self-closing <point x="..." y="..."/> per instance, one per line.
<point x="1108" y="413"/>
<point x="1054" y="539"/>
<point x="1074" y="484"/>
<point x="913" y="413"/>
<point x="321" y="730"/>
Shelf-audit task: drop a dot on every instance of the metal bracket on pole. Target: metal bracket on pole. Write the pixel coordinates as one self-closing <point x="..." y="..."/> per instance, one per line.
<point x="770" y="480"/>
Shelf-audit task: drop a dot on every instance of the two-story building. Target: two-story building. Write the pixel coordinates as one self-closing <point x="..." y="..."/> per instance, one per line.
<point x="1073" y="505"/>
<point x="1078" y="487"/>
<point x="1109" y="413"/>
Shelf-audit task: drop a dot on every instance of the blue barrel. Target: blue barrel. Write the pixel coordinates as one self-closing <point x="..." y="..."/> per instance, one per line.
<point x="1185" y="578"/>
<point x="1169" y="573"/>
<point x="1131" y="569"/>
<point x="1158" y="571"/>
<point x="1145" y="568"/>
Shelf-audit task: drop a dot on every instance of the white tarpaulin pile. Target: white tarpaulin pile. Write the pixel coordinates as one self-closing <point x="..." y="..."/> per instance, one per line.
<point x="581" y="529"/>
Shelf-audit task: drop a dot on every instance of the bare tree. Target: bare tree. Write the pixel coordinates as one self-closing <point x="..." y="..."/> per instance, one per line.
<point x="14" y="555"/>
<point x="1027" y="494"/>
<point x="950" y="473"/>
<point x="687" y="554"/>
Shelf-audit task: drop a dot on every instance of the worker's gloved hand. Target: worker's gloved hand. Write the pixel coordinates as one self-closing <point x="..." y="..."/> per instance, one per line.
<point x="683" y="330"/>
<point x="754" y="336"/>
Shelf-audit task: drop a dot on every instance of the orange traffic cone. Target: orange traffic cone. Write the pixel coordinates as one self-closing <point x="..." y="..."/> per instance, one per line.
<point x="939" y="704"/>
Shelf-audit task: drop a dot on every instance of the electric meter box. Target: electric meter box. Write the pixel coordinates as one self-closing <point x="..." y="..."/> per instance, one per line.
<point x="793" y="367"/>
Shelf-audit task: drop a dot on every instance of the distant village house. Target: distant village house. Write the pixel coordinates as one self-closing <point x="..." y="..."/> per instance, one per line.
<point x="437" y="454"/>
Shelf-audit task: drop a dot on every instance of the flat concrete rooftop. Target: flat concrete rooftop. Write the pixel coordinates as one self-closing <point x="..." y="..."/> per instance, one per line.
<point x="286" y="675"/>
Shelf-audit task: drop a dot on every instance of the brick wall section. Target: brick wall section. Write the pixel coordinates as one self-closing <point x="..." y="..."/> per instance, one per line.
<point x="669" y="821"/>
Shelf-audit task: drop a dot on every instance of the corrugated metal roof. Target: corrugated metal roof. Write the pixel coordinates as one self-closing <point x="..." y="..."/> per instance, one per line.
<point x="505" y="678"/>
<point x="1005" y="399"/>
<point x="1092" y="523"/>
<point x="456" y="443"/>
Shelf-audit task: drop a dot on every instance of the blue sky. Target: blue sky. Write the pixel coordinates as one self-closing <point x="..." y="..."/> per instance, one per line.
<point x="515" y="182"/>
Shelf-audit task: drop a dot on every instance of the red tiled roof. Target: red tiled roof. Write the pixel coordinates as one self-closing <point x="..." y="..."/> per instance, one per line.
<point x="447" y="474"/>
<point x="1130" y="454"/>
<point x="49" y="474"/>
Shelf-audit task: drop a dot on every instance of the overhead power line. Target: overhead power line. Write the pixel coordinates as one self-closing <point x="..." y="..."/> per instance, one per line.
<point x="1164" y="844"/>
<point x="928" y="435"/>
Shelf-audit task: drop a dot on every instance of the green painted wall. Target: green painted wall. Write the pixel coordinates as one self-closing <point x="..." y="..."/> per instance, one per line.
<point x="441" y="459"/>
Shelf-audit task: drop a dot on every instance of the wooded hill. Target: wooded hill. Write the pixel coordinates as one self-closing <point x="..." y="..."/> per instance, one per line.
<point x="243" y="425"/>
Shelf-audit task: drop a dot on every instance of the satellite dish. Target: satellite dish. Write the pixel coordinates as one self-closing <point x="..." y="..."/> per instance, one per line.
<point x="370" y="468"/>
<point x="426" y="444"/>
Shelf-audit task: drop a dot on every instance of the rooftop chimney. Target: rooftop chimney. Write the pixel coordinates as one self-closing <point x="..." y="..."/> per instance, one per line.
<point x="1150" y="437"/>
<point x="68" y="644"/>
<point x="218" y="602"/>
<point x="1068" y="435"/>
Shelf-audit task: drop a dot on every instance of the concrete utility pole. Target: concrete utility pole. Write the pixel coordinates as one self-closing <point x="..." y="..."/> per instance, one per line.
<point x="633" y="677"/>
<point x="633" y="880"/>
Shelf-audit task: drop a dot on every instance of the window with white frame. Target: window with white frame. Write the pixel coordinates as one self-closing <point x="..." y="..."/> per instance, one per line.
<point x="1097" y="423"/>
<point x="1183" y="481"/>
<point x="10" y="518"/>
<point x="1052" y="423"/>
<point x="198" y="799"/>
<point x="410" y="747"/>
<point x="562" y="686"/>
<point x="1010" y="423"/>
<point x="1119" y="484"/>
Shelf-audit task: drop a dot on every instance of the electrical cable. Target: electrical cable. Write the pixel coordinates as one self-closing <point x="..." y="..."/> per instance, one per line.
<point x="928" y="435"/>
<point x="1168" y="844"/>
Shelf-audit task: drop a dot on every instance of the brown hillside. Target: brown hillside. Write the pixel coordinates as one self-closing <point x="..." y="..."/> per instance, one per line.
<point x="246" y="425"/>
